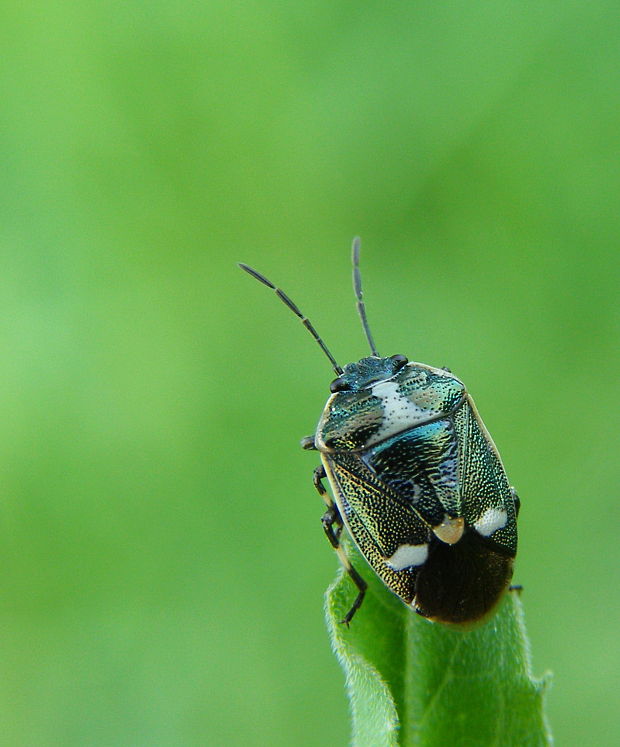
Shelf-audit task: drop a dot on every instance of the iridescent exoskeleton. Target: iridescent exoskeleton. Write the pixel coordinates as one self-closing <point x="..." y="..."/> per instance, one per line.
<point x="416" y="480"/>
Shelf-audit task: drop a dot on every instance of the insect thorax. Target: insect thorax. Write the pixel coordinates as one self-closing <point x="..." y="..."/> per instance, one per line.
<point x="379" y="402"/>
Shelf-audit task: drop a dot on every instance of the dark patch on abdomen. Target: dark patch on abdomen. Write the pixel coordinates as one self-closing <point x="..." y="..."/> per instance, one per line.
<point x="462" y="583"/>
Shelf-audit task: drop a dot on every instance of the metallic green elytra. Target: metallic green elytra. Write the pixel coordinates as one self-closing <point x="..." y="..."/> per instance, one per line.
<point x="416" y="479"/>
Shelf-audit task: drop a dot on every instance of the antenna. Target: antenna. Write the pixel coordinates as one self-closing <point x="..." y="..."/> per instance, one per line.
<point x="357" y="287"/>
<point x="293" y="307"/>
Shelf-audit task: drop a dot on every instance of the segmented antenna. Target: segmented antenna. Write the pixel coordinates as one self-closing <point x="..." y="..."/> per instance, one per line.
<point x="293" y="307"/>
<point x="357" y="287"/>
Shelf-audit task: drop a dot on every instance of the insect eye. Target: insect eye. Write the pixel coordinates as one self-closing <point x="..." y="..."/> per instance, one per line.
<point x="338" y="385"/>
<point x="400" y="360"/>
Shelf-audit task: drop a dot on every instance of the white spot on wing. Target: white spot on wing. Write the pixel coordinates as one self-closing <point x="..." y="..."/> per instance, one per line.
<point x="490" y="521"/>
<point x="407" y="556"/>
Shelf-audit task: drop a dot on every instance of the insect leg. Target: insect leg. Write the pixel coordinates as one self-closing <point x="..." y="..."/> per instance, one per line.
<point x="516" y="499"/>
<point x="330" y="518"/>
<point x="317" y="478"/>
<point x="307" y="442"/>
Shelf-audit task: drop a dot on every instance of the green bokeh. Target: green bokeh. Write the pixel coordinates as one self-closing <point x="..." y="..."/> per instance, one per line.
<point x="162" y="560"/>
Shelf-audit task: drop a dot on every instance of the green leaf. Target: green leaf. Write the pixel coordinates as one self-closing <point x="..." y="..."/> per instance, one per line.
<point x="413" y="682"/>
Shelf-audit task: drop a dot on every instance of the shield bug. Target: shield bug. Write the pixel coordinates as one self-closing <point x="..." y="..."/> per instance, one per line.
<point x="416" y="479"/>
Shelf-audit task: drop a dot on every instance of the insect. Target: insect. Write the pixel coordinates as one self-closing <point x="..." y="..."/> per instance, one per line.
<point x="416" y="480"/>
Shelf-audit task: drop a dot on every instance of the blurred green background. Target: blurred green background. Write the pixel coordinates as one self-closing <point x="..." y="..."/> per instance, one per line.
<point x="162" y="562"/>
